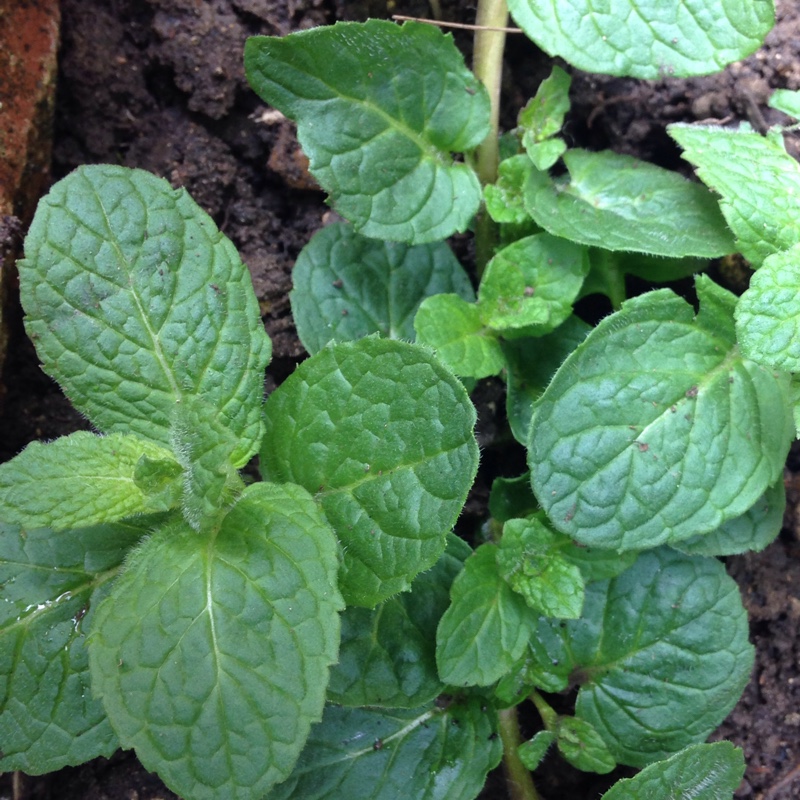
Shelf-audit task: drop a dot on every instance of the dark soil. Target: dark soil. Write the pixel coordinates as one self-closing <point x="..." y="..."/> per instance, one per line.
<point x="159" y="84"/>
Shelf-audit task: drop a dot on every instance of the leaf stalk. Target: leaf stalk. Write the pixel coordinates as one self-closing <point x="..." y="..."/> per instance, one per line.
<point x="518" y="778"/>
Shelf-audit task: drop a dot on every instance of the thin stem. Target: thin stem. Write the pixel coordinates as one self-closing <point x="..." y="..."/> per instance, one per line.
<point x="487" y="64"/>
<point x="518" y="778"/>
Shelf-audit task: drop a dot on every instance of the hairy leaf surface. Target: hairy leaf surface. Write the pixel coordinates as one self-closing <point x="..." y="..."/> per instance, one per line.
<point x="51" y="584"/>
<point x="347" y="286"/>
<point x="655" y="428"/>
<point x="211" y="654"/>
<point x="83" y="479"/>
<point x="135" y="300"/>
<point x="661" y="653"/>
<point x="759" y="184"/>
<point x="379" y="109"/>
<point x="618" y="203"/>
<point x="427" y="753"/>
<point x="698" y="772"/>
<point x="382" y="434"/>
<point x="646" y="38"/>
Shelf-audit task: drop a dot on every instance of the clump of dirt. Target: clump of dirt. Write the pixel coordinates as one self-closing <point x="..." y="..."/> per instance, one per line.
<point x="159" y="85"/>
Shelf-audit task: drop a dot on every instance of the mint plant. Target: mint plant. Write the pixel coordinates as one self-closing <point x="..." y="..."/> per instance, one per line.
<point x="321" y="633"/>
<point x="153" y="597"/>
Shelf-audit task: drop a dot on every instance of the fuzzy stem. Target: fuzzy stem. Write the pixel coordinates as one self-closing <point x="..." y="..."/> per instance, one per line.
<point x="488" y="67"/>
<point x="518" y="778"/>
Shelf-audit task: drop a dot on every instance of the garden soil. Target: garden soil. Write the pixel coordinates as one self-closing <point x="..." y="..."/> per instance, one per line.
<point x="159" y="84"/>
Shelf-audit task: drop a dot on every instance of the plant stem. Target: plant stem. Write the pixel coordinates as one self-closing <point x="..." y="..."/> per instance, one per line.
<point x="488" y="67"/>
<point x="520" y="782"/>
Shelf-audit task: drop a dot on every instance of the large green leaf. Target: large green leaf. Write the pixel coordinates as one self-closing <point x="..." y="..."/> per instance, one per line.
<point x="347" y="286"/>
<point x="211" y="654"/>
<point x="382" y="434"/>
<point x="428" y="753"/>
<point x="51" y="583"/>
<point x="380" y="108"/>
<point x="759" y="184"/>
<point x="615" y="202"/>
<point x="698" y="772"/>
<point x="135" y="300"/>
<point x="661" y="654"/>
<point x="387" y="655"/>
<point x="487" y="626"/>
<point x="83" y="479"/>
<point x="646" y="38"/>
<point x="655" y="428"/>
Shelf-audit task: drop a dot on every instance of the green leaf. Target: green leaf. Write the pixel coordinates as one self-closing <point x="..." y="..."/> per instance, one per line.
<point x="528" y="559"/>
<point x="699" y="772"/>
<point x="768" y="313"/>
<point x="661" y="654"/>
<point x="51" y="583"/>
<point x="615" y="202"/>
<point x="427" y="753"/>
<point x="135" y="300"/>
<point x="211" y="654"/>
<point x="380" y="108"/>
<point x="382" y="434"/>
<point x="511" y="497"/>
<point x="205" y="449"/>
<point x="534" y="750"/>
<point x="543" y="117"/>
<point x="454" y="329"/>
<point x="655" y="429"/>
<point x="648" y="39"/>
<point x="505" y="198"/>
<point x="583" y="747"/>
<point x="529" y="286"/>
<point x="387" y="656"/>
<point x="786" y="101"/>
<point x="83" y="479"/>
<point x="487" y="626"/>
<point x="759" y="184"/>
<point x="530" y="368"/>
<point x="753" y="530"/>
<point x="347" y="286"/>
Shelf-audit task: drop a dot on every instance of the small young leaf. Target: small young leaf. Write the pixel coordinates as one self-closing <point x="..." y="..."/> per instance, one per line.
<point x="426" y="753"/>
<point x="387" y="656"/>
<point x="505" y="198"/>
<point x="379" y="109"/>
<point x="698" y="772"/>
<point x="787" y="101"/>
<point x="656" y="429"/>
<point x="618" y="203"/>
<point x="753" y="530"/>
<point x="347" y="286"/>
<point x="382" y="434"/>
<point x="646" y="38"/>
<point x="583" y="747"/>
<point x="453" y="327"/>
<point x="758" y="180"/>
<point x="83" y="479"/>
<point x="543" y="117"/>
<point x="661" y="653"/>
<point x="135" y="300"/>
<point x="529" y="286"/>
<point x="487" y="626"/>
<point x="768" y="313"/>
<point x="211" y="654"/>
<point x="531" y="368"/>
<point x="533" y="751"/>
<point x="528" y="559"/>
<point x="205" y="449"/>
<point x="51" y="584"/>
<point x="511" y="498"/>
